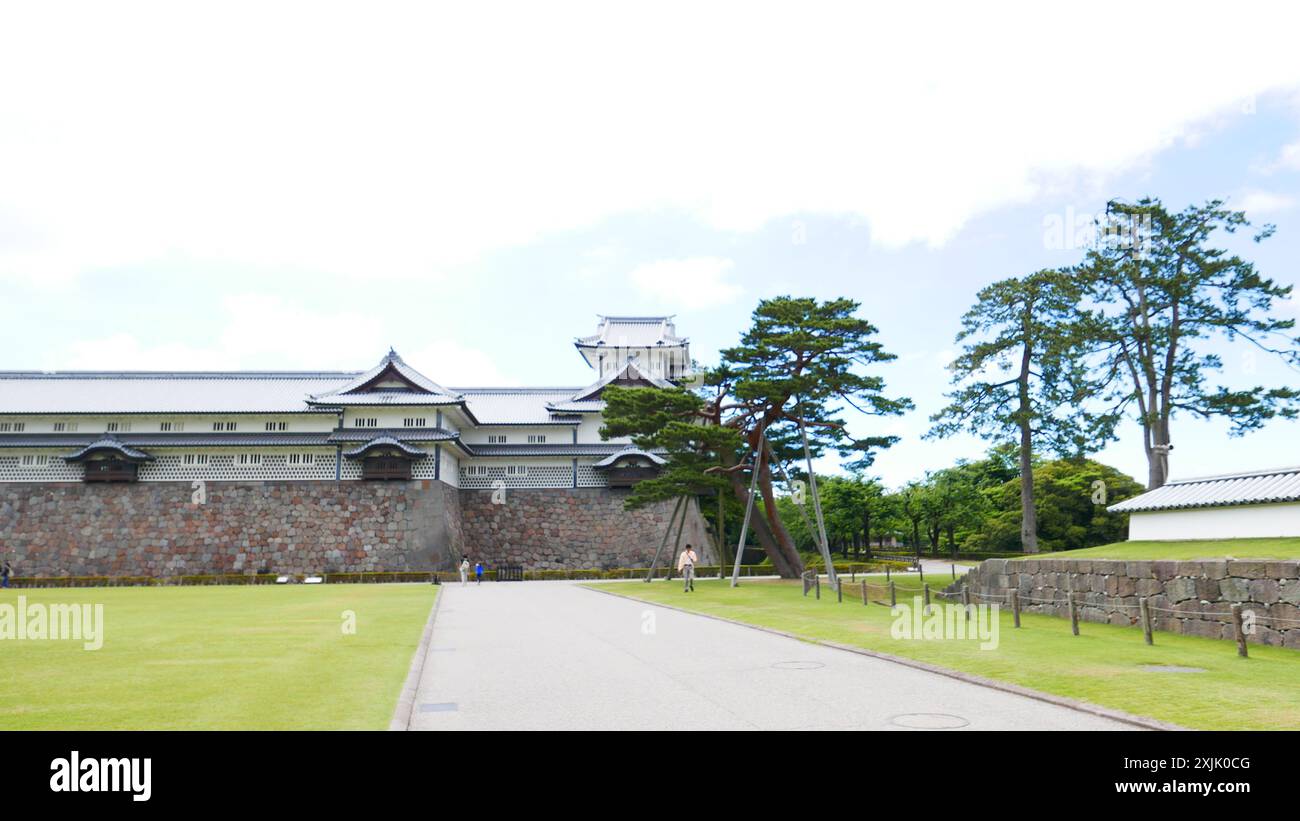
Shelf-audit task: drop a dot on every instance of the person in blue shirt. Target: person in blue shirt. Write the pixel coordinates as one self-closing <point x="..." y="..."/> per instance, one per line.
<point x="478" y="572"/>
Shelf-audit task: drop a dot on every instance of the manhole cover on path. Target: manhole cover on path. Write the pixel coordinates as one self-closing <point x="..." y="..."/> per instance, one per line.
<point x="1170" y="668"/>
<point x="929" y="721"/>
<point x="798" y="665"/>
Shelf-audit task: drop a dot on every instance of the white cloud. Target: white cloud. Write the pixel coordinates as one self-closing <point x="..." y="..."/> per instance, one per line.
<point x="1261" y="203"/>
<point x="403" y="141"/>
<point x="693" y="283"/>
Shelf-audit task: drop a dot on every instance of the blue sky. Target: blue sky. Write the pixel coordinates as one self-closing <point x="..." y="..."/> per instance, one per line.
<point x="295" y="186"/>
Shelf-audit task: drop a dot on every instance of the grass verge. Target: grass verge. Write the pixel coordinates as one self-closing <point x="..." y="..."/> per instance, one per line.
<point x="219" y="658"/>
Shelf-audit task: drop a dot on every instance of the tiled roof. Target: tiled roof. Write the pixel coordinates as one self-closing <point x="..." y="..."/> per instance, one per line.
<point x="384" y="440"/>
<point x="110" y="392"/>
<point x="109" y="443"/>
<point x="517" y="406"/>
<point x="352" y="393"/>
<point x="633" y="332"/>
<point x="630" y="451"/>
<point x="168" y="440"/>
<point x="401" y="434"/>
<point x="566" y="449"/>
<point x="1256" y="487"/>
<point x="630" y="372"/>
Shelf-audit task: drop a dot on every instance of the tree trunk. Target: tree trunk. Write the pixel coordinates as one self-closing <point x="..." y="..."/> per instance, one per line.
<point x="763" y="533"/>
<point x="1028" y="515"/>
<point x="784" y="540"/>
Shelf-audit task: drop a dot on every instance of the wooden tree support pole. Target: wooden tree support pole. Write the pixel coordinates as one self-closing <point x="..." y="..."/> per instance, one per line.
<point x="864" y="592"/>
<point x="839" y="593"/>
<point x="1074" y="614"/>
<point x="1144" y="611"/>
<point x="749" y="512"/>
<point x="965" y="600"/>
<point x="1015" y="606"/>
<point x="927" y="599"/>
<point x="654" y="565"/>
<point x="893" y="596"/>
<point x="1238" y="631"/>
<point x="817" y="585"/>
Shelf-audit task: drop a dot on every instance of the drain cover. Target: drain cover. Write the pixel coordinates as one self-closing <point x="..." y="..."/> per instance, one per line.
<point x="1170" y="668"/>
<point x="798" y="665"/>
<point x="929" y="721"/>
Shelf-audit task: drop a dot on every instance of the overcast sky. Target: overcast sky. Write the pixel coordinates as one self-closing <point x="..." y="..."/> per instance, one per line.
<point x="280" y="185"/>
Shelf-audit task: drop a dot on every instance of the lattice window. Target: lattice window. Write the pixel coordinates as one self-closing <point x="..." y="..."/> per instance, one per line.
<point x="365" y="422"/>
<point x="483" y="475"/>
<point x="65" y="427"/>
<point x="277" y="426"/>
<point x="496" y="438"/>
<point x="414" y="422"/>
<point x="225" y="426"/>
<point x="588" y="476"/>
<point x="38" y="467"/>
<point x="536" y="438"/>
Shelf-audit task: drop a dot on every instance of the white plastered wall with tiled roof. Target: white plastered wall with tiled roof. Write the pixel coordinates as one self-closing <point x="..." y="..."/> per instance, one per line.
<point x="1230" y="522"/>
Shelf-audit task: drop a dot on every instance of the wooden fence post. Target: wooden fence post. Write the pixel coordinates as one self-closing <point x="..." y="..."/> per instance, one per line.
<point x="817" y="586"/>
<point x="839" y="592"/>
<point x="893" y="595"/>
<point x="864" y="592"/>
<point x="927" y="599"/>
<point x="1015" y="606"/>
<point x="1144" y="610"/>
<point x="1074" y="615"/>
<point x="1238" y="631"/>
<point x="965" y="600"/>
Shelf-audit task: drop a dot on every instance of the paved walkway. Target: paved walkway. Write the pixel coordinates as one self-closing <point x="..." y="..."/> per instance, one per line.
<point x="552" y="655"/>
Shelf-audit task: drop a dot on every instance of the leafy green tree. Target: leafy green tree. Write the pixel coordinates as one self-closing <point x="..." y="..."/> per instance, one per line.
<point x="1020" y="374"/>
<point x="1160" y="295"/>
<point x="795" y="371"/>
<point x="1071" y="506"/>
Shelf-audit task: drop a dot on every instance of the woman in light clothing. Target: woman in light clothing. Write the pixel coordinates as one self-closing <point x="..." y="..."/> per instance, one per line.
<point x="464" y="570"/>
<point x="686" y="566"/>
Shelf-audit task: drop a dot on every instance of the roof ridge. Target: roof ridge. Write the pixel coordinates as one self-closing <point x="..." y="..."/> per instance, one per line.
<point x="1236" y="475"/>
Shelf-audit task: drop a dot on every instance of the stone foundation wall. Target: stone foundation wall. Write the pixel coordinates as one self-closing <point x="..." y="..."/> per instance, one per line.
<point x="1189" y="597"/>
<point x="157" y="529"/>
<point x="583" y="528"/>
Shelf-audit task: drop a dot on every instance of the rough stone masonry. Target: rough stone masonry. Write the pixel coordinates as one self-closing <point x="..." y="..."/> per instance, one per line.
<point x="1189" y="597"/>
<point x="158" y="529"/>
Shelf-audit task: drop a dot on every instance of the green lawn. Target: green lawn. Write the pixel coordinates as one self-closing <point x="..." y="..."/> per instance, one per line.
<point x="1103" y="665"/>
<point x="1208" y="549"/>
<point x="258" y="658"/>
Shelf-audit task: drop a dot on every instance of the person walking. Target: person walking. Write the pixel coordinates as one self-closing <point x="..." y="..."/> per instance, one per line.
<point x="478" y="572"/>
<point x="686" y="565"/>
<point x="6" y="570"/>
<point x="464" y="570"/>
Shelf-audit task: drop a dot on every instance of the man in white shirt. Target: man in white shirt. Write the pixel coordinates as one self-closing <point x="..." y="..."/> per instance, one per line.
<point x="686" y="566"/>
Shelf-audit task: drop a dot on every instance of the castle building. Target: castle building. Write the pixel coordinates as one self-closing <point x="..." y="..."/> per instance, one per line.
<point x="389" y="424"/>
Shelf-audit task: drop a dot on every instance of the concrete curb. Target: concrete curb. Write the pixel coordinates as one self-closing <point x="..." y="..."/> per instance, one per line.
<point x="406" y="701"/>
<point x="993" y="684"/>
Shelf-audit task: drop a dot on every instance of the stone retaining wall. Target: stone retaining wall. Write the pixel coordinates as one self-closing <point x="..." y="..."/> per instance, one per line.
<point x="157" y="529"/>
<point x="1189" y="597"/>
<point x="582" y="528"/>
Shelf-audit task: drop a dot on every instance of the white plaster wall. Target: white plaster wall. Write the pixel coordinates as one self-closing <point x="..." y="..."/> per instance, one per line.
<point x="1239" y="522"/>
